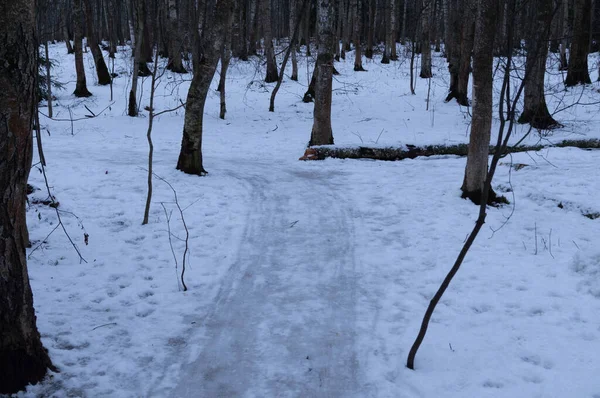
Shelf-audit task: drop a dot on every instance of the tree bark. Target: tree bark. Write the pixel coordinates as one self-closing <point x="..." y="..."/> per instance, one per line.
<point x="138" y="8"/>
<point x="23" y="359"/>
<point x="535" y="110"/>
<point x="294" y="22"/>
<point x="564" y="13"/>
<point x="101" y="68"/>
<point x="393" y="30"/>
<point x="371" y="30"/>
<point x="463" y="19"/>
<point x="175" y="61"/>
<point x="321" y="131"/>
<point x="81" y="85"/>
<point x="577" y="72"/>
<point x="426" y="12"/>
<point x="356" y="10"/>
<point x="272" y="74"/>
<point x="481" y="124"/>
<point x="210" y="42"/>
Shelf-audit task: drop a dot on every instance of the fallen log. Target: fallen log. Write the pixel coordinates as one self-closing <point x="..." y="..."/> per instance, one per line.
<point x="413" y="151"/>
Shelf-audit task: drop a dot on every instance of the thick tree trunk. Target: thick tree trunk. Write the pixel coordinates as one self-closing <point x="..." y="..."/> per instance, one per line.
<point x="535" y="110"/>
<point x="101" y="69"/>
<point x="205" y="64"/>
<point x="426" y="13"/>
<point x="23" y="359"/>
<point x="481" y="124"/>
<point x="272" y="74"/>
<point x="81" y="85"/>
<point x="577" y="72"/>
<point x="321" y="131"/>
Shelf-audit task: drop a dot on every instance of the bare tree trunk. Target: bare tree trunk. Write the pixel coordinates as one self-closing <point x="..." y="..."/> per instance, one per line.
<point x="138" y="6"/>
<point x="294" y="22"/>
<point x="81" y="86"/>
<point x="307" y="32"/>
<point x="403" y="31"/>
<point x="481" y="124"/>
<point x="225" y="59"/>
<point x="205" y="64"/>
<point x="577" y="72"/>
<point x="321" y="131"/>
<point x="356" y="10"/>
<point x="535" y="110"/>
<point x="371" y="30"/>
<point x="268" y="36"/>
<point x="101" y="69"/>
<point x="65" y="29"/>
<point x="463" y="25"/>
<point x="23" y="359"/>
<point x="387" y="32"/>
<point x="393" y="31"/>
<point x="426" y="13"/>
<point x="345" y="27"/>
<point x="48" y="79"/>
<point x="174" y="42"/>
<point x="564" y="13"/>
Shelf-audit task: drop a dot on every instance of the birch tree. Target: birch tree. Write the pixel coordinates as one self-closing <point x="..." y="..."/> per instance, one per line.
<point x="321" y="131"/>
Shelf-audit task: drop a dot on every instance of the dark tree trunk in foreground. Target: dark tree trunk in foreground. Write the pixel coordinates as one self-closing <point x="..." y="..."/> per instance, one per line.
<point x="205" y="64"/>
<point x="23" y="359"/>
<point x="101" y="69"/>
<point x="81" y="86"/>
<point x="578" y="63"/>
<point x="535" y="110"/>
<point x="481" y="124"/>
<point x="321" y="132"/>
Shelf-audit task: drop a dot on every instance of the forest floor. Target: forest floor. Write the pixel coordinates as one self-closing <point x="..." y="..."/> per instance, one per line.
<point x="310" y="279"/>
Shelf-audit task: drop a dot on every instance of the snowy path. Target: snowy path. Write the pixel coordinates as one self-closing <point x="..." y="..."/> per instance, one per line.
<point x="284" y="320"/>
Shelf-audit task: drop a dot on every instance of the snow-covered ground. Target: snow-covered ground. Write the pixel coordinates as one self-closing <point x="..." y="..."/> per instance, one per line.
<point x="310" y="279"/>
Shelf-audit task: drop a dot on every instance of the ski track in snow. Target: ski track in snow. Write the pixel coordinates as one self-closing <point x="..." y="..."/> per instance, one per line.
<point x="284" y="319"/>
<point x="309" y="279"/>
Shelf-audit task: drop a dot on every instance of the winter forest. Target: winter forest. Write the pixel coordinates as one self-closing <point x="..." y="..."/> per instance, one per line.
<point x="299" y="198"/>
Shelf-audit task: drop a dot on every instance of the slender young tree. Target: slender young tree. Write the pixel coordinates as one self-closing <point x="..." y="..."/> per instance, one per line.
<point x="23" y="359"/>
<point x="481" y="123"/>
<point x="535" y="110"/>
<point x="321" y="131"/>
<point x="577" y="72"/>
<point x="81" y="85"/>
